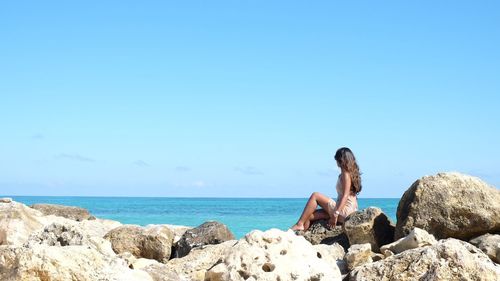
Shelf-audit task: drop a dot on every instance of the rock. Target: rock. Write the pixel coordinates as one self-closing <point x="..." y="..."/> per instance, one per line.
<point x="449" y="205"/>
<point x="333" y="254"/>
<point x="98" y="227"/>
<point x="193" y="266"/>
<point x="417" y="238"/>
<point x="273" y="255"/>
<point x="42" y="262"/>
<point x="178" y="230"/>
<point x="489" y="244"/>
<point x="142" y="263"/>
<point x="377" y="257"/>
<point x="217" y="273"/>
<point x="59" y="235"/>
<point x="69" y="234"/>
<point x="387" y="253"/>
<point x="449" y="259"/>
<point x="5" y="200"/>
<point x="319" y="233"/>
<point x="208" y="233"/>
<point x="151" y="243"/>
<point x="17" y="222"/>
<point x="370" y="225"/>
<point x="69" y="212"/>
<point x="128" y="258"/>
<point x="358" y="254"/>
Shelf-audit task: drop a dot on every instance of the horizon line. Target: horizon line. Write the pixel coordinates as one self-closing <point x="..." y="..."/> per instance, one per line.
<point x="177" y="197"/>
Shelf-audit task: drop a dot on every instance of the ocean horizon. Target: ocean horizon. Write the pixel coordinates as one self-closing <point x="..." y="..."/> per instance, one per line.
<point x="241" y="215"/>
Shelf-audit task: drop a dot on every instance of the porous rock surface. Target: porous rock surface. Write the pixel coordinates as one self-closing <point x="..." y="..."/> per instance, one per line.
<point x="449" y="205"/>
<point x="449" y="259"/>
<point x="369" y="225"/>
<point x="273" y="255"/>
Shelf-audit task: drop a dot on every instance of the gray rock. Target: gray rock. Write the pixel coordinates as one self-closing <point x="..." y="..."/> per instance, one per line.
<point x="59" y="235"/>
<point x="449" y="259"/>
<point x="69" y="212"/>
<point x="208" y="233"/>
<point x="489" y="244"/>
<point x="151" y="243"/>
<point x="68" y="233"/>
<point x="370" y="225"/>
<point x="320" y="233"/>
<point x="5" y="200"/>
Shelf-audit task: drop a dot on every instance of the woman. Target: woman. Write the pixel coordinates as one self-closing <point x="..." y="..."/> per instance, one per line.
<point x="348" y="186"/>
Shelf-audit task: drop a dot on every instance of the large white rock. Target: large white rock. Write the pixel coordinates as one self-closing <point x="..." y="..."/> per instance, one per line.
<point x="333" y="254"/>
<point x="193" y="266"/>
<point x="68" y="234"/>
<point x="449" y="259"/>
<point x="98" y="227"/>
<point x="17" y="222"/>
<point x="273" y="255"/>
<point x="42" y="262"/>
<point x="415" y="239"/>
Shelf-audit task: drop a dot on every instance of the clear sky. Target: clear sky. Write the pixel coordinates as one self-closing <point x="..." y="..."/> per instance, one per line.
<point x="245" y="98"/>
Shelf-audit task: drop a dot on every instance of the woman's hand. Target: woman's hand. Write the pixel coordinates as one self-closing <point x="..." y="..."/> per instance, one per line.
<point x="332" y="222"/>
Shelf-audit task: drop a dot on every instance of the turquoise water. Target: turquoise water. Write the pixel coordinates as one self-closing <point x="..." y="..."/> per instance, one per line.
<point x="241" y="215"/>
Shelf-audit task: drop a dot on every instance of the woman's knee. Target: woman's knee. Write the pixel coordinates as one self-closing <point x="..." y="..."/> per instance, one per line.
<point x="314" y="194"/>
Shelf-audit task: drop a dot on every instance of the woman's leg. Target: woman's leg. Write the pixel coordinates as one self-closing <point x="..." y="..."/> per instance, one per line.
<point x="313" y="202"/>
<point x="317" y="215"/>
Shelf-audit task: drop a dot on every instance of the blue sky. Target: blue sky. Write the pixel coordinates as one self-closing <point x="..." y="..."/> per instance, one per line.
<point x="244" y="98"/>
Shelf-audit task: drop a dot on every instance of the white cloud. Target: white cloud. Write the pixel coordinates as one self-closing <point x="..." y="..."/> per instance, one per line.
<point x="199" y="183"/>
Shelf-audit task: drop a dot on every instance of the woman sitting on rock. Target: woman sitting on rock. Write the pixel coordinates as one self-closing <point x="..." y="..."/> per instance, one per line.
<point x="348" y="186"/>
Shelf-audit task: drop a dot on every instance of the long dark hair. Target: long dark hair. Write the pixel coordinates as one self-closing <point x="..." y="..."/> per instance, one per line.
<point x="347" y="161"/>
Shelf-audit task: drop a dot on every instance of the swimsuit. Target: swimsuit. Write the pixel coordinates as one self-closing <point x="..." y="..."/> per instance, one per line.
<point x="350" y="206"/>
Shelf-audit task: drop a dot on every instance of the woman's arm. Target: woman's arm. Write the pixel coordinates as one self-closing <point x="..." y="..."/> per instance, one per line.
<point x="345" y="181"/>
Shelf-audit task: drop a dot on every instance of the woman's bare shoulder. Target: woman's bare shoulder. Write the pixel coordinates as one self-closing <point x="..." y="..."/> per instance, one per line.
<point x="345" y="176"/>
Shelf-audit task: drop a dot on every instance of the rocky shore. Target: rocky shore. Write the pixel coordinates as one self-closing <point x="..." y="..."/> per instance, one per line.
<point x="448" y="228"/>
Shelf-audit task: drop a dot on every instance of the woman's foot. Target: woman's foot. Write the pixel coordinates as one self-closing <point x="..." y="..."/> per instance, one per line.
<point x="297" y="227"/>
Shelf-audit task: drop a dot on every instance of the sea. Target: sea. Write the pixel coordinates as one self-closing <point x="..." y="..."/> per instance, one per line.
<point x="241" y="215"/>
